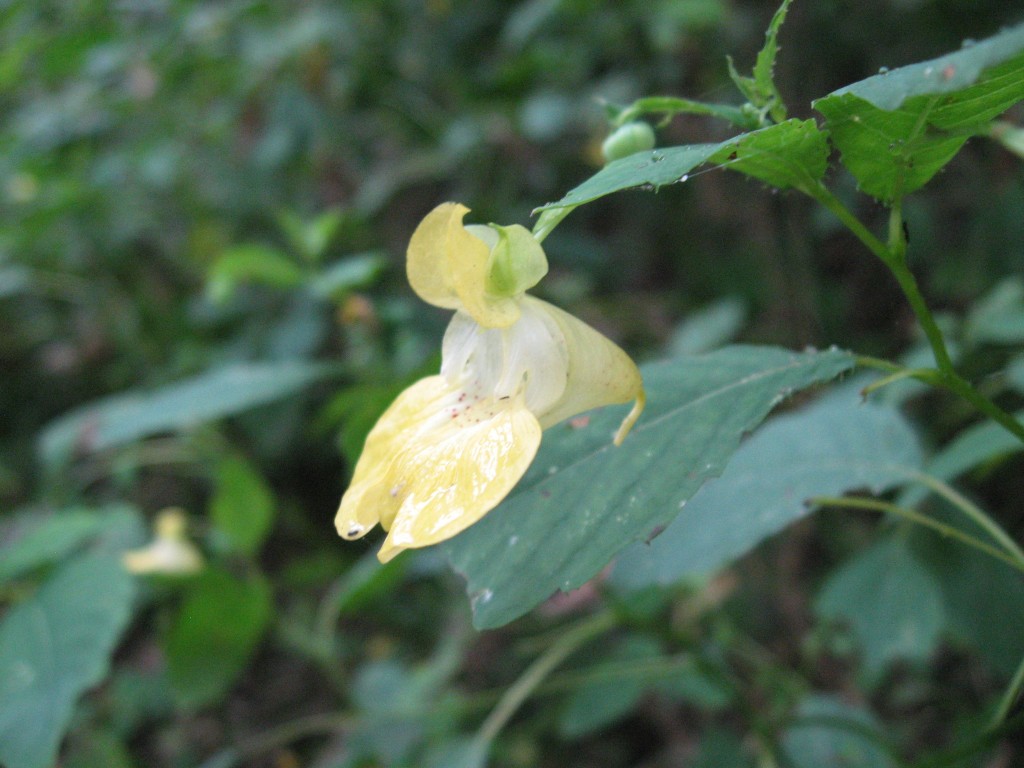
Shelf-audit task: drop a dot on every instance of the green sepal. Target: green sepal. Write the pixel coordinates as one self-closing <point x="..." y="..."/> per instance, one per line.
<point x="517" y="261"/>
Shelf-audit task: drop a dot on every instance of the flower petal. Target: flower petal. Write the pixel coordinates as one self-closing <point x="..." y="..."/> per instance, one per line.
<point x="427" y="259"/>
<point x="599" y="372"/>
<point x="447" y="266"/>
<point x="459" y="473"/>
<point x="368" y="500"/>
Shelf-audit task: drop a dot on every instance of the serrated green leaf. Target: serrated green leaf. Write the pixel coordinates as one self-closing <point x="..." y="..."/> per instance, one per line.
<point x="583" y="500"/>
<point x="215" y="634"/>
<point x="835" y="446"/>
<point x="54" y="646"/>
<point x="760" y="89"/>
<point x="252" y="264"/>
<point x="790" y="154"/>
<point x="895" y="130"/>
<point x="890" y="600"/>
<point x="242" y="506"/>
<point x="215" y="394"/>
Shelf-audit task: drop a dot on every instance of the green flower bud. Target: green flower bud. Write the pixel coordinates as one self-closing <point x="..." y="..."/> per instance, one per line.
<point x="517" y="261"/>
<point x="628" y="139"/>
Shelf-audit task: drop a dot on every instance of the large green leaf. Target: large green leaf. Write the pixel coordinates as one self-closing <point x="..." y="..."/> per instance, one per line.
<point x="217" y="393"/>
<point x="897" y="129"/>
<point x="832" y="447"/>
<point x="215" y="635"/>
<point x="53" y="646"/>
<point x="584" y="500"/>
<point x="891" y="601"/>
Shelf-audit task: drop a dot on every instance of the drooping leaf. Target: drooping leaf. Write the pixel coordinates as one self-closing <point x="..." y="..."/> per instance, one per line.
<point x="583" y="500"/>
<point x="895" y="130"/>
<point x="242" y="506"/>
<point x="53" y="647"/>
<point x="829" y="733"/>
<point x="345" y="275"/>
<point x="215" y="634"/>
<point x="215" y="394"/>
<point x="790" y="154"/>
<point x="832" y="447"/>
<point x="891" y="601"/>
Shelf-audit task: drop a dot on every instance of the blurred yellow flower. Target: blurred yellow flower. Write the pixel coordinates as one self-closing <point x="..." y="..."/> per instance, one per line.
<point x="452" y="446"/>
<point x="170" y="552"/>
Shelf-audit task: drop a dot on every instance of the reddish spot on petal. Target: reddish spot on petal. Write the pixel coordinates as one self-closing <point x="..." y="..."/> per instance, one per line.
<point x="948" y="71"/>
<point x="579" y="422"/>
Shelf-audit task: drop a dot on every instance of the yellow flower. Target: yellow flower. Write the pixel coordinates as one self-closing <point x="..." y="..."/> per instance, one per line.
<point x="170" y="552"/>
<point x="452" y="446"/>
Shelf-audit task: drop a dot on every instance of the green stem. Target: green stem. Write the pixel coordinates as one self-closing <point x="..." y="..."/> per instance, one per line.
<point x="1009" y="697"/>
<point x="893" y="255"/>
<point x="875" y="505"/>
<point x="534" y="675"/>
<point x="975" y="513"/>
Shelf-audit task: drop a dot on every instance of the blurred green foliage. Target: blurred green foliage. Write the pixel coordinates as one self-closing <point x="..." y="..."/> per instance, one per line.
<point x="203" y="214"/>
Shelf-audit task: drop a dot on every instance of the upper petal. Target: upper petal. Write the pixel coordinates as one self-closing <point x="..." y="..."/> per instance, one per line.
<point x="447" y="265"/>
<point x="452" y="480"/>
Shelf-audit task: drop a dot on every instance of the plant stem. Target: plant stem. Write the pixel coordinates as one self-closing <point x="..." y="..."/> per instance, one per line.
<point x="974" y="513"/>
<point x="893" y="255"/>
<point x="534" y="675"/>
<point x="1009" y="697"/>
<point x="875" y="505"/>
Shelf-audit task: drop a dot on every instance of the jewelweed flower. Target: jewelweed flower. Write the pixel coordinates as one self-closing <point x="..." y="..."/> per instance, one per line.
<point x="452" y="446"/>
<point x="170" y="552"/>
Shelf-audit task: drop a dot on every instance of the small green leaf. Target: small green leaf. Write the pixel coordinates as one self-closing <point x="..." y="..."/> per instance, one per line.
<point x="890" y="600"/>
<point x="215" y="634"/>
<point x="607" y="695"/>
<point x="829" y="733"/>
<point x="252" y="264"/>
<point x="54" y="646"/>
<point x="895" y="130"/>
<point x="760" y="89"/>
<point x="835" y="446"/>
<point x="311" y="238"/>
<point x="215" y="394"/>
<point x="348" y="274"/>
<point x="583" y="500"/>
<point x="242" y="506"/>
